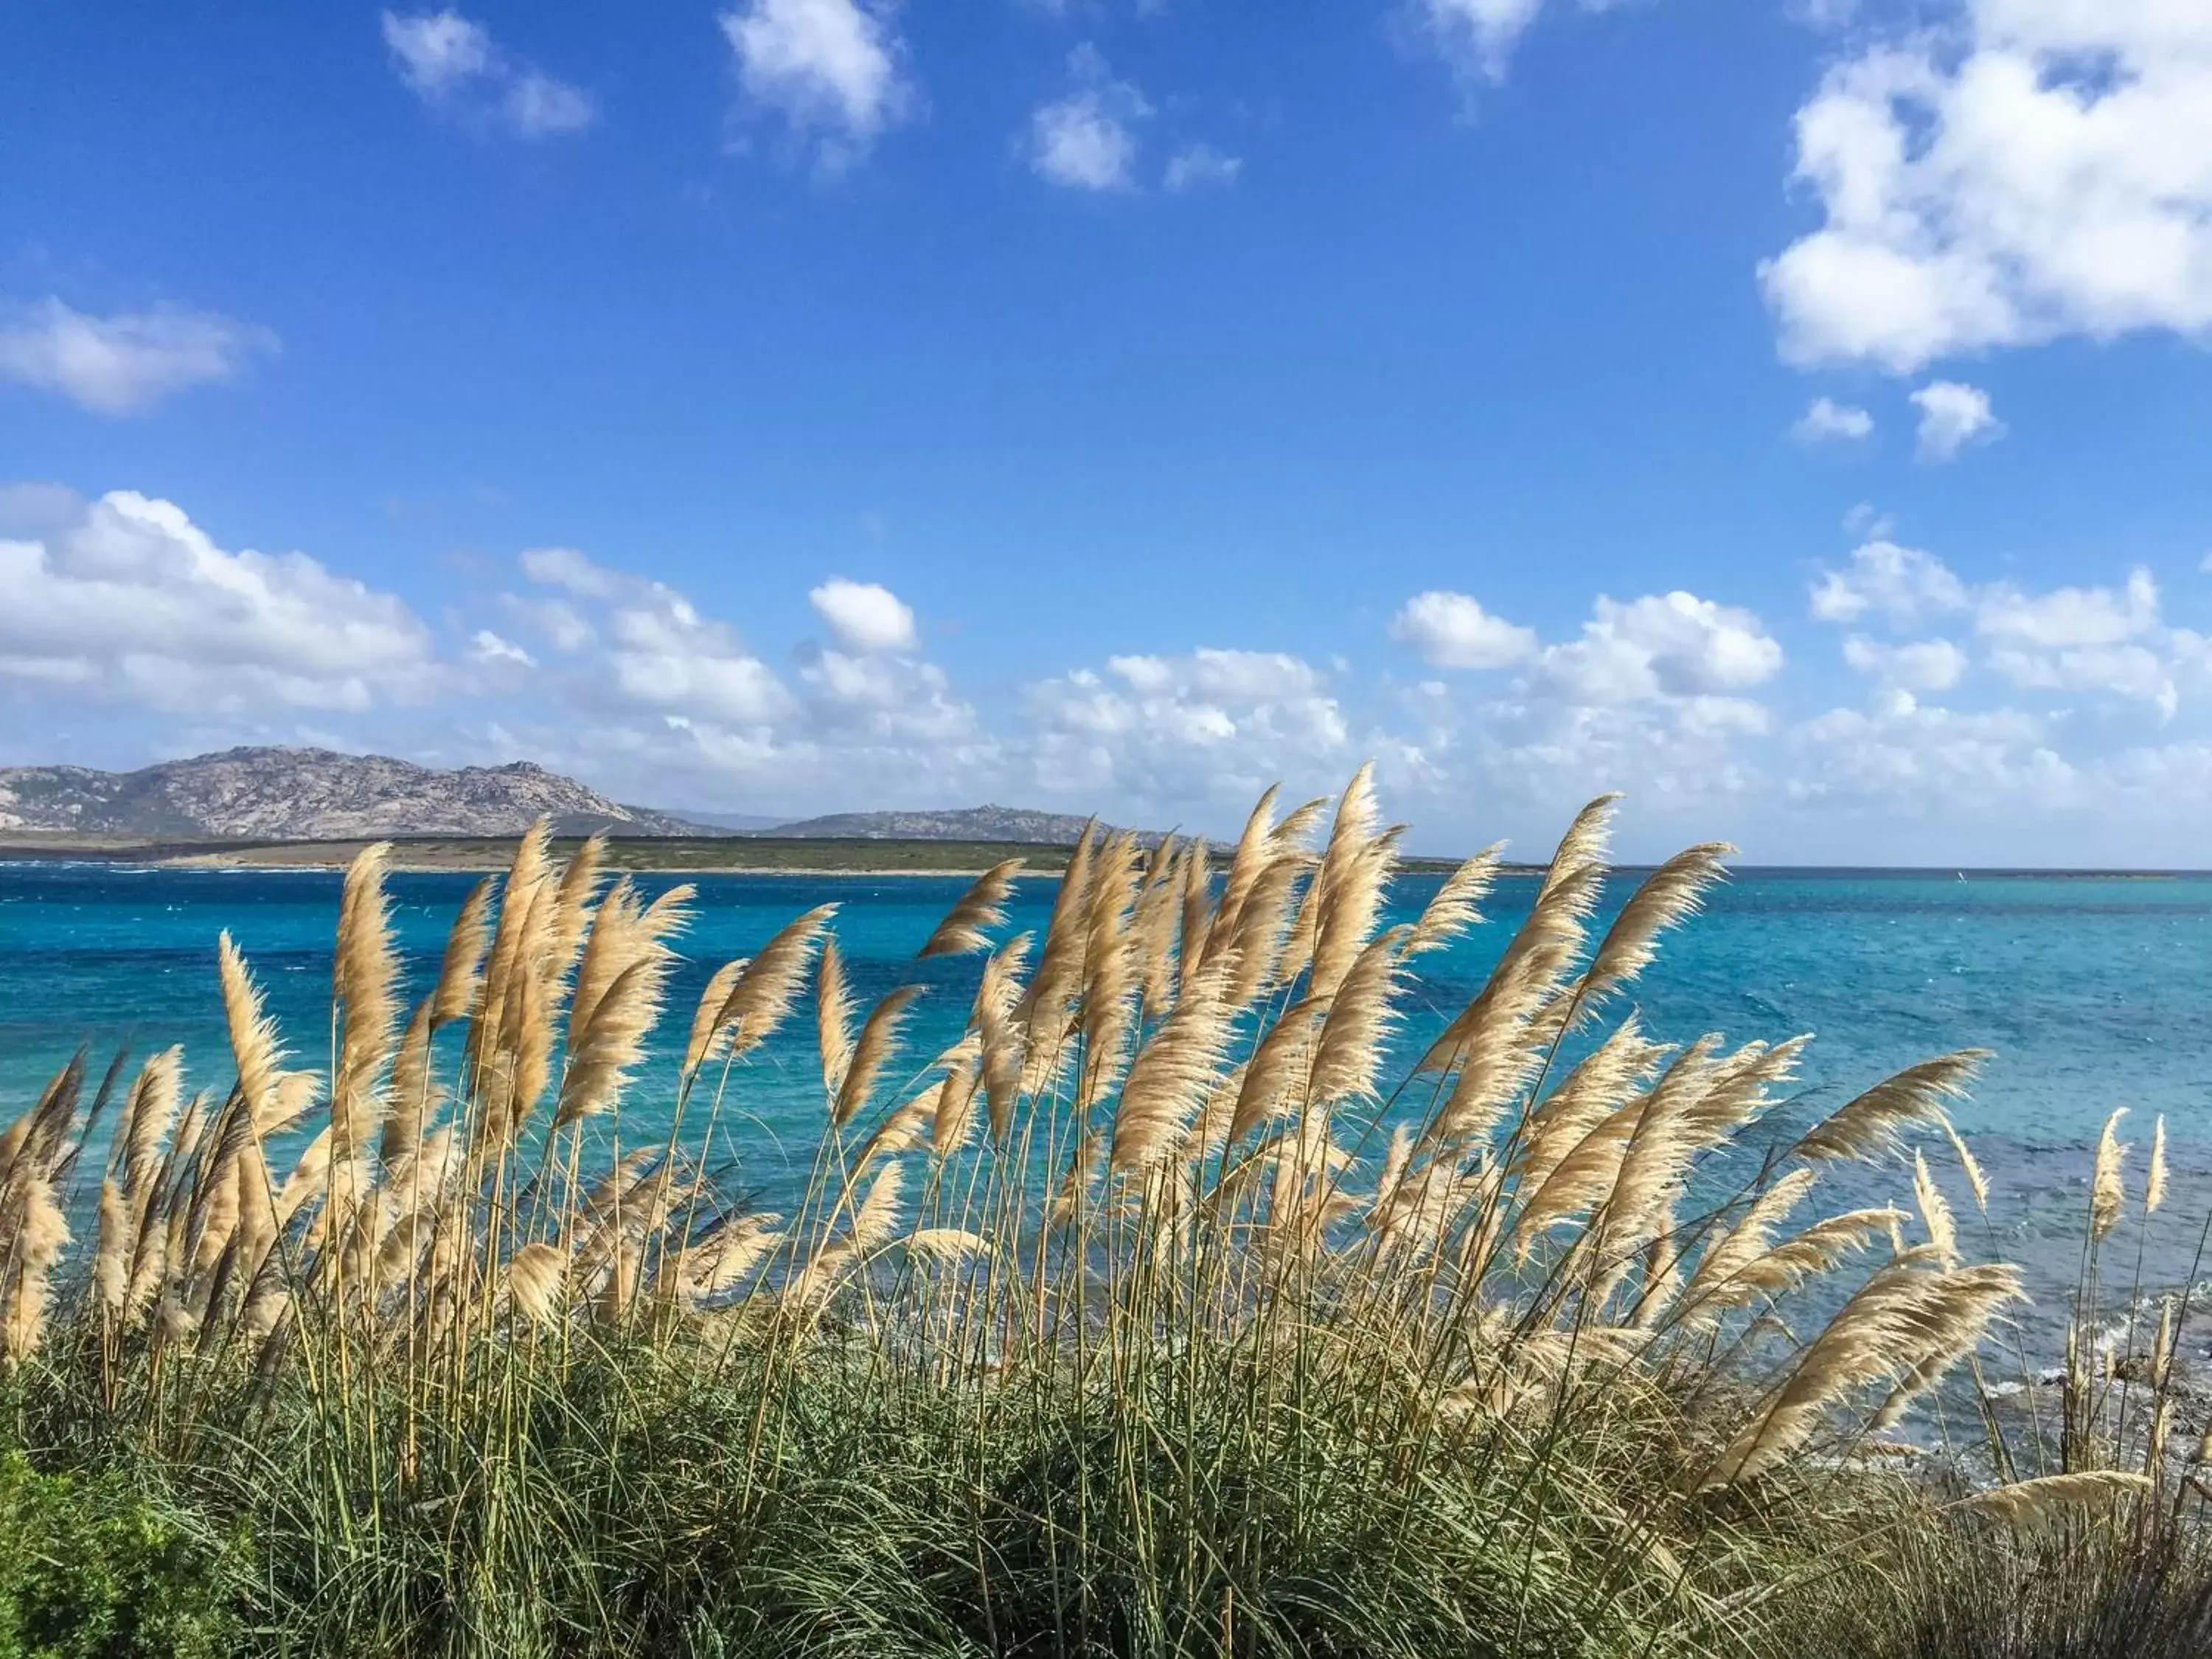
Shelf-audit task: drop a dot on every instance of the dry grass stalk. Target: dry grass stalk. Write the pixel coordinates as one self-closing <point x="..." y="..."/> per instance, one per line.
<point x="878" y="1043"/>
<point x="1935" y="1211"/>
<point x="1668" y="896"/>
<point x="1457" y="905"/>
<point x="2024" y="1501"/>
<point x="765" y="992"/>
<point x="365" y="968"/>
<point x="1871" y="1124"/>
<point x="1169" y="1082"/>
<point x="709" y="1039"/>
<point x="967" y="926"/>
<point x="835" y="1019"/>
<point x="2107" y="1195"/>
<point x="461" y="974"/>
<point x="1969" y="1168"/>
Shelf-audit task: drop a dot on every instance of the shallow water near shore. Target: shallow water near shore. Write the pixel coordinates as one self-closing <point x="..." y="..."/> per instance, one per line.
<point x="2093" y="992"/>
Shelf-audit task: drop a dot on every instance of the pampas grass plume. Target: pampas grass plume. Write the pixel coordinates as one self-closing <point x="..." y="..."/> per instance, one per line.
<point x="2107" y="1193"/>
<point x="967" y="925"/>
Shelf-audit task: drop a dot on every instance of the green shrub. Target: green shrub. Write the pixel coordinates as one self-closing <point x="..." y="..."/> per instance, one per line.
<point x="91" y="1569"/>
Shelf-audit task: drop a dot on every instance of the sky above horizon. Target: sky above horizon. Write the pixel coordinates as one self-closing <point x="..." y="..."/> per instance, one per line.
<point x="1796" y="414"/>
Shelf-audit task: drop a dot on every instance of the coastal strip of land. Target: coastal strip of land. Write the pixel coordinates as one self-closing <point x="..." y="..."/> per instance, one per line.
<point x="702" y="855"/>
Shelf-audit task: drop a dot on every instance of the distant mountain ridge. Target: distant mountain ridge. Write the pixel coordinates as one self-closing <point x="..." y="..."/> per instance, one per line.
<point x="315" y="794"/>
<point x="1014" y="824"/>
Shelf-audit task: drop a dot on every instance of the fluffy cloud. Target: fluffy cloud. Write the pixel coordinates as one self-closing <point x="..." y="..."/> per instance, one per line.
<point x="1476" y="37"/>
<point x="1649" y="697"/>
<point x="1931" y="761"/>
<point x="1914" y="666"/>
<point x="1087" y="140"/>
<point x="1953" y="415"/>
<point x="2067" y="616"/>
<point x="2044" y="168"/>
<point x="2090" y="639"/>
<point x="1452" y="630"/>
<point x="1662" y="645"/>
<point x="661" y="690"/>
<point x="125" y="600"/>
<point x="829" y="68"/>
<point x="1210" y="726"/>
<point x="1198" y="166"/>
<point x="650" y="648"/>
<point x="452" y="64"/>
<point x="438" y="52"/>
<point x="2099" y="640"/>
<point x="1903" y="583"/>
<point x="864" y="617"/>
<point x="126" y="363"/>
<point x="1828" y="420"/>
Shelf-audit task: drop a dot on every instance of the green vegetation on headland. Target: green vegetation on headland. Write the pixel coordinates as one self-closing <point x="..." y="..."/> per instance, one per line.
<point x="704" y="854"/>
<point x="1151" y="1317"/>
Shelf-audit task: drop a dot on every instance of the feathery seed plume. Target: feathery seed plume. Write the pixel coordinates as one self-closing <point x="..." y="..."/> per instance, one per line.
<point x="1275" y="1078"/>
<point x="878" y="1040"/>
<point x="148" y="1116"/>
<point x="2029" y="1500"/>
<point x="708" y="1040"/>
<point x="571" y="905"/>
<point x="412" y="1095"/>
<point x="365" y="967"/>
<point x="536" y="1275"/>
<point x="2108" y="1196"/>
<point x="967" y="925"/>
<point x="835" y="1018"/>
<point x="253" y="1044"/>
<point x="763" y="997"/>
<point x="1348" y="1061"/>
<point x="1870" y="1123"/>
<point x="1669" y="894"/>
<point x="1969" y="1168"/>
<point x="460" y="973"/>
<point x="1935" y="1211"/>
<point x="1170" y="1080"/>
<point x="1458" y="903"/>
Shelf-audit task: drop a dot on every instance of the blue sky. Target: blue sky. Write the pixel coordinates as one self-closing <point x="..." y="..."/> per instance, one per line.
<point x="1794" y="416"/>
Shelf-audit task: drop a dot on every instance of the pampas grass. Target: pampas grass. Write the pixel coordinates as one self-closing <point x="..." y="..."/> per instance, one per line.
<point x="1235" y="1328"/>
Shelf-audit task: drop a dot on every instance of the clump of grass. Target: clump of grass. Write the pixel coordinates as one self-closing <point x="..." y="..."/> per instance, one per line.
<point x="1153" y="1315"/>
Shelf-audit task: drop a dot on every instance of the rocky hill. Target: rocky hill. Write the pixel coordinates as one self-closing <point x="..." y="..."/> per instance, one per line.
<point x="313" y="794"/>
<point x="1016" y="823"/>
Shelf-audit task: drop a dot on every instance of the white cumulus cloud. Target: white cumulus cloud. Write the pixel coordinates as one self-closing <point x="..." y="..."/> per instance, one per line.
<point x="1952" y="415"/>
<point x="1904" y="583"/>
<point x="125" y="600"/>
<point x="1452" y="630"/>
<point x="126" y="363"/>
<point x="2095" y="639"/>
<point x="649" y="648"/>
<point x="864" y="617"/>
<point x="1476" y="37"/>
<point x="2042" y="168"/>
<point x="1828" y="420"/>
<point x="829" y="68"/>
<point x="1087" y="140"/>
<point x="1914" y="666"/>
<point x="1209" y="726"/>
<point x="452" y="63"/>
<point x="1661" y="646"/>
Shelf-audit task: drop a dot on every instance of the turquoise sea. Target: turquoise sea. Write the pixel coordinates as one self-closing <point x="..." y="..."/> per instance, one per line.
<point x="2094" y="992"/>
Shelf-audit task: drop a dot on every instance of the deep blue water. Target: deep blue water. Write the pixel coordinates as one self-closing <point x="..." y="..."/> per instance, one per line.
<point x="2094" y="992"/>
